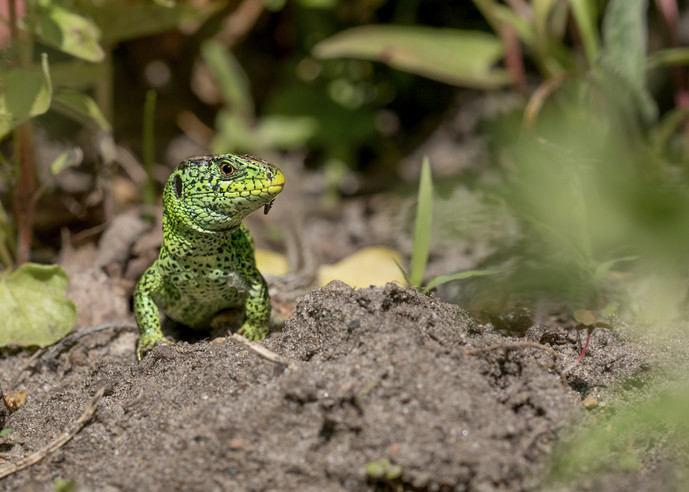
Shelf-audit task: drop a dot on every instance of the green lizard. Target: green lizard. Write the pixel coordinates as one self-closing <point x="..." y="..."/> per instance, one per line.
<point x="206" y="263"/>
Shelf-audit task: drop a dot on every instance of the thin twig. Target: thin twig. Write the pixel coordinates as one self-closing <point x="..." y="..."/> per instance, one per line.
<point x="264" y="352"/>
<point x="57" y="443"/>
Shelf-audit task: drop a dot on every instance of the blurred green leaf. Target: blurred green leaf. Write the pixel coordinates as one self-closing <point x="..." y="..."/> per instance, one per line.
<point x="23" y="94"/>
<point x="6" y="432"/>
<point x="33" y="306"/>
<point x="68" y="32"/>
<point x="77" y="74"/>
<point x="625" y="38"/>
<point x="443" y="279"/>
<point x="286" y="132"/>
<point x="464" y="58"/>
<point x="585" y="13"/>
<point x="422" y="226"/>
<point x="623" y="61"/>
<point x="668" y="57"/>
<point x="585" y="317"/>
<point x="122" y="21"/>
<point x="603" y="269"/>
<point x="231" y="78"/>
<point x="69" y="158"/>
<point x="81" y="108"/>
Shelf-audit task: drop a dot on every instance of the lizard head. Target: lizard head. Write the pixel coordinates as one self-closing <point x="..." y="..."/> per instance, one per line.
<point x="216" y="192"/>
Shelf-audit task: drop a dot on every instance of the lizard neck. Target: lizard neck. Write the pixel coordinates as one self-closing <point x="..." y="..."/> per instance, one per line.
<point x="182" y="241"/>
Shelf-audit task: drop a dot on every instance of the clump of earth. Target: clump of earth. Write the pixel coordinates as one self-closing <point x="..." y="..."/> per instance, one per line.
<point x="374" y="389"/>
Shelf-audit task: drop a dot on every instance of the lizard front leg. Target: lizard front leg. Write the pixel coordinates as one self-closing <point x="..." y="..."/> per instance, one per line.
<point x="257" y="307"/>
<point x="146" y="312"/>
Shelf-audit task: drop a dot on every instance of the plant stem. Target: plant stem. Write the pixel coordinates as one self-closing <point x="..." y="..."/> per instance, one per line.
<point x="24" y="161"/>
<point x="24" y="205"/>
<point x="148" y="150"/>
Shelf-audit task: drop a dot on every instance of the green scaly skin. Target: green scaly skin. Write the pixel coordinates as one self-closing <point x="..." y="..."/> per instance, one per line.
<point x="206" y="263"/>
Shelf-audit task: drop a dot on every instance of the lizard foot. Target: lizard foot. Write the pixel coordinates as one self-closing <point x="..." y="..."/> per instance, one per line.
<point x="253" y="332"/>
<point x="143" y="346"/>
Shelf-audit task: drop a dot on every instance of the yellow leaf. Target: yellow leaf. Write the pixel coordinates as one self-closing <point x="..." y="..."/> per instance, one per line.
<point x="271" y="263"/>
<point x="374" y="265"/>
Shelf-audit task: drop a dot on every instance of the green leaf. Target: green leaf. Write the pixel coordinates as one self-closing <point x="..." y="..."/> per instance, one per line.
<point x="443" y="279"/>
<point x="69" y="32"/>
<point x="585" y="15"/>
<point x="25" y="93"/>
<point x="453" y="56"/>
<point x="286" y="132"/>
<point x="80" y="107"/>
<point x="6" y="432"/>
<point x="668" y="58"/>
<point x="122" y="21"/>
<point x="585" y="317"/>
<point x="69" y="158"/>
<point x="622" y="66"/>
<point x="33" y="306"/>
<point x="625" y="37"/>
<point x="603" y="269"/>
<point x="422" y="226"/>
<point x="77" y="74"/>
<point x="231" y="78"/>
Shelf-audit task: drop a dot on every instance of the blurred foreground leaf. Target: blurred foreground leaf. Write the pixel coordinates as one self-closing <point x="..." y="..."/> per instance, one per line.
<point x="69" y="32"/>
<point x="81" y="108"/>
<point x="23" y="94"/>
<point x="453" y="56"/>
<point x="33" y="306"/>
<point x="122" y="21"/>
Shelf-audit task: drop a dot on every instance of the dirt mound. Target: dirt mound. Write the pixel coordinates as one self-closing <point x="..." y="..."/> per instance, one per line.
<point x="392" y="389"/>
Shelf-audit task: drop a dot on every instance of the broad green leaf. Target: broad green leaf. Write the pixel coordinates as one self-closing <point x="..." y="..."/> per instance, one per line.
<point x="443" y="279"/>
<point x="231" y="78"/>
<point x="623" y="62"/>
<point x="422" y="226"/>
<point x="23" y="94"/>
<point x="69" y="32"/>
<point x="585" y="13"/>
<point x="80" y="107"/>
<point x="122" y="21"/>
<point x="453" y="56"/>
<point x="33" y="306"/>
<point x="77" y="74"/>
<point x="625" y="38"/>
<point x="6" y="432"/>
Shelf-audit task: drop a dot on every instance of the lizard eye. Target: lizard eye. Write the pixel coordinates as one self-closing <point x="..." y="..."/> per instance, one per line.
<point x="226" y="168"/>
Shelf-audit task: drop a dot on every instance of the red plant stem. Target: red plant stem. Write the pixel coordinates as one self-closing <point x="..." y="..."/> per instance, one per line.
<point x="24" y="205"/>
<point x="581" y="354"/>
<point x="514" y="62"/>
<point x="669" y="13"/>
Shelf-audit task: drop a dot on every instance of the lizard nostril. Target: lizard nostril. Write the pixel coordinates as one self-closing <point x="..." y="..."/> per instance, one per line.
<point x="269" y="175"/>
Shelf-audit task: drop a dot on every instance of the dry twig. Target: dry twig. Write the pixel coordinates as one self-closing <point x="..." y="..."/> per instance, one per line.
<point x="264" y="352"/>
<point x="57" y="443"/>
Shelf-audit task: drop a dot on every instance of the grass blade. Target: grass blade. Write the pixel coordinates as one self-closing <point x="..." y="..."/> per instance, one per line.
<point x="422" y="226"/>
